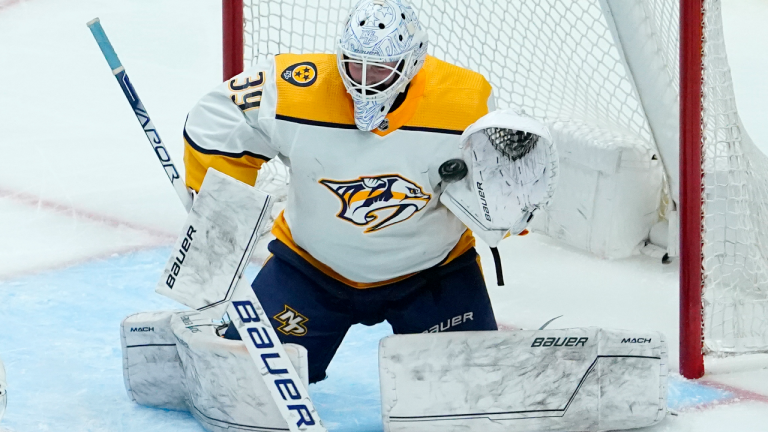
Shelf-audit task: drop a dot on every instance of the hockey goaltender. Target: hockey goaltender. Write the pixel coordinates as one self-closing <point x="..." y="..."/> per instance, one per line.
<point x="397" y="161"/>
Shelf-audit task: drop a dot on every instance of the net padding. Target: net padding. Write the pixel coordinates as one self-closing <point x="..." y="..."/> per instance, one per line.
<point x="557" y="61"/>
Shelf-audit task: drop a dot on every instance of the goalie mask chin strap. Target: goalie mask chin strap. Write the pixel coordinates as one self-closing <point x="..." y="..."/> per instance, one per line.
<point x="497" y="263"/>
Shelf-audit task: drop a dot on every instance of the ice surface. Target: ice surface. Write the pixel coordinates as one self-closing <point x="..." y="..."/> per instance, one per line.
<point x="61" y="346"/>
<point x="60" y="343"/>
<point x="78" y="184"/>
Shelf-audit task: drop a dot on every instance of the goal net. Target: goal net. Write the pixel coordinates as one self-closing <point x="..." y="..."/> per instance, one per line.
<point x="604" y="74"/>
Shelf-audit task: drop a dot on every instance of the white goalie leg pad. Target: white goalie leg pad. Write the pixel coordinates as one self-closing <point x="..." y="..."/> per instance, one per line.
<point x="225" y="390"/>
<point x="582" y="379"/>
<point x="3" y="390"/>
<point x="152" y="369"/>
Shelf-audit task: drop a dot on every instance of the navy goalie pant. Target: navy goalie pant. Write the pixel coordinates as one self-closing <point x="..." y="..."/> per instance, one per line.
<point x="311" y="309"/>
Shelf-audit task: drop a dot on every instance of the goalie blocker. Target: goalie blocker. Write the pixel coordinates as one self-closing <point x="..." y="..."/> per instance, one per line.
<point x="581" y="379"/>
<point x="205" y="273"/>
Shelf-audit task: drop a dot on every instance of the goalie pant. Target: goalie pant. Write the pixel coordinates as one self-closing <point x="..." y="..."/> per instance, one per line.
<point x="311" y="309"/>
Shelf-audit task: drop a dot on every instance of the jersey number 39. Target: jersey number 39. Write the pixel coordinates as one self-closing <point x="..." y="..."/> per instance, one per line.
<point x="247" y="96"/>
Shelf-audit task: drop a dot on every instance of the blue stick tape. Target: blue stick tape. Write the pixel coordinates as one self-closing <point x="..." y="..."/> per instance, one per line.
<point x="103" y="41"/>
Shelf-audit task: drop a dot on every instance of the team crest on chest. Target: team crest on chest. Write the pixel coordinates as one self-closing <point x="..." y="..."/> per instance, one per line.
<point x="378" y="202"/>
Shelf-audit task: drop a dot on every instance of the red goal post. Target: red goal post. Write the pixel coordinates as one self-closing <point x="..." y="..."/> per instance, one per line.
<point x="232" y="37"/>
<point x="691" y="187"/>
<point x="602" y="81"/>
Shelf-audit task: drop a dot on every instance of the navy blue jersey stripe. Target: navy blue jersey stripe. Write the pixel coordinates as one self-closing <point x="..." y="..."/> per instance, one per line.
<point x="350" y="126"/>
<point x="315" y="123"/>
<point x="433" y="130"/>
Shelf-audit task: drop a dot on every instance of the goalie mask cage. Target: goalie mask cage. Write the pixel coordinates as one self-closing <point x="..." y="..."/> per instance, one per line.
<point x="601" y="72"/>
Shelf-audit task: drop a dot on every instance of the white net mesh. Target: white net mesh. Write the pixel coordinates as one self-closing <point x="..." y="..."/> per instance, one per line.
<point x="558" y="60"/>
<point x="560" y="76"/>
<point x="736" y="192"/>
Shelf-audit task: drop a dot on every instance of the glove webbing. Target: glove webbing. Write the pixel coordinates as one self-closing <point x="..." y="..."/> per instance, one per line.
<point x="513" y="144"/>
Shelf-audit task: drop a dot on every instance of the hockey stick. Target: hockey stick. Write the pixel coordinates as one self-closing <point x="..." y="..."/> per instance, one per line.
<point x="141" y="113"/>
<point x="249" y="318"/>
<point x="227" y="215"/>
<point x="272" y="362"/>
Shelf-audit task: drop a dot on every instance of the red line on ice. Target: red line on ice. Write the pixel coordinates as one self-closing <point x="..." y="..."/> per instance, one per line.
<point x="66" y="264"/>
<point x="8" y="3"/>
<point x="68" y="210"/>
<point x="740" y="395"/>
<point x="161" y="238"/>
<point x="508" y="327"/>
<point x="157" y="237"/>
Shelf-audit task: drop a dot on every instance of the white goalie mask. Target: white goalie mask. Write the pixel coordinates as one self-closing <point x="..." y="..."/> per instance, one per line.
<point x="382" y="47"/>
<point x="512" y="168"/>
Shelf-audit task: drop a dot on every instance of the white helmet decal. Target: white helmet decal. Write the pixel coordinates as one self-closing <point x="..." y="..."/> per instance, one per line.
<point x="378" y="32"/>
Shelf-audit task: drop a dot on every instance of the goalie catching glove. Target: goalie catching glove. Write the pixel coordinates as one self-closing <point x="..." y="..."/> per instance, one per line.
<point x="511" y="173"/>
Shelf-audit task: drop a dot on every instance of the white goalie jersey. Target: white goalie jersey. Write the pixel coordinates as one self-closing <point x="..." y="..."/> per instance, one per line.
<point x="363" y="207"/>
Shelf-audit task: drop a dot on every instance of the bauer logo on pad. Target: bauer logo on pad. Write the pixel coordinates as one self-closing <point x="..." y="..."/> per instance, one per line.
<point x="302" y="74"/>
<point x="558" y="342"/>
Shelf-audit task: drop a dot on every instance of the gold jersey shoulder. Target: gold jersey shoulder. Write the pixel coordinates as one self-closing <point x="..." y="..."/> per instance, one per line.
<point x="309" y="88"/>
<point x="441" y="98"/>
<point x="453" y="97"/>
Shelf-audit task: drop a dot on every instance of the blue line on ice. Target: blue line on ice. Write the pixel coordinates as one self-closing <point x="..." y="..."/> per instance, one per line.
<point x="59" y="339"/>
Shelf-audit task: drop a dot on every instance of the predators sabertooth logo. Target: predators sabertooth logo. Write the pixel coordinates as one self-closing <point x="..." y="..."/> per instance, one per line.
<point x="365" y="199"/>
<point x="292" y="322"/>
